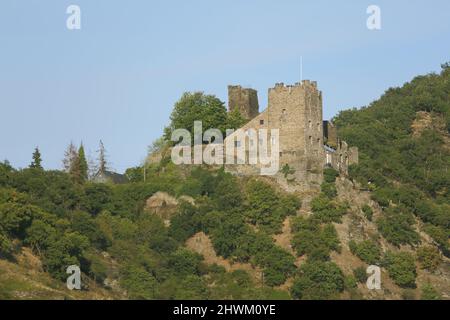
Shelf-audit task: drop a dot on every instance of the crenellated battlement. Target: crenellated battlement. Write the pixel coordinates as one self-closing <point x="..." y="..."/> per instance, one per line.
<point x="296" y="111"/>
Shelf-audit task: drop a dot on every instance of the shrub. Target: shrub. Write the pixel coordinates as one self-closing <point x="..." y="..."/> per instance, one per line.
<point x="329" y="190"/>
<point x="318" y="280"/>
<point x="360" y="274"/>
<point x="314" y="240"/>
<point x="368" y="212"/>
<point x="327" y="210"/>
<point x="185" y="262"/>
<point x="440" y="235"/>
<point x="428" y="257"/>
<point x="330" y="175"/>
<point x="367" y="250"/>
<point x="6" y="247"/>
<point x="429" y="293"/>
<point x="402" y="269"/>
<point x="278" y="265"/>
<point x="396" y="227"/>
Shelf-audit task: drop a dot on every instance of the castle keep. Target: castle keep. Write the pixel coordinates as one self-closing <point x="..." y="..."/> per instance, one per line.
<point x="307" y="144"/>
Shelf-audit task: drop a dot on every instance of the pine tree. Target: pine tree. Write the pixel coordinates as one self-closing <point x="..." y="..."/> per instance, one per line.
<point x="36" y="163"/>
<point x="82" y="164"/>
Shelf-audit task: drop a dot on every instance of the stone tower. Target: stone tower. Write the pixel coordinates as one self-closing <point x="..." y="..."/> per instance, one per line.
<point x="245" y="99"/>
<point x="297" y="111"/>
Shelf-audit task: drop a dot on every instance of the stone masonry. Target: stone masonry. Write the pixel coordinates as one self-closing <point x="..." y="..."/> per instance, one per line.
<point x="296" y="110"/>
<point x="244" y="99"/>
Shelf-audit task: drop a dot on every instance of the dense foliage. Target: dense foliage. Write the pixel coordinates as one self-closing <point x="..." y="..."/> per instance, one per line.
<point x="405" y="159"/>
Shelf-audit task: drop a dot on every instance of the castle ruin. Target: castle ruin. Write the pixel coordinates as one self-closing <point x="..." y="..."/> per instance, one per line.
<point x="307" y="144"/>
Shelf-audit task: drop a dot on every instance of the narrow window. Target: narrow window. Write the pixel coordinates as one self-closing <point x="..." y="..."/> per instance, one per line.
<point x="261" y="122"/>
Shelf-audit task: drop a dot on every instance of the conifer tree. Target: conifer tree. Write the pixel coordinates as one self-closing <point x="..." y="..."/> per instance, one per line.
<point x="36" y="163"/>
<point x="82" y="164"/>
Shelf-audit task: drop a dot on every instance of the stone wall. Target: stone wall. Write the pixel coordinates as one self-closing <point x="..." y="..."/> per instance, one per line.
<point x="296" y="111"/>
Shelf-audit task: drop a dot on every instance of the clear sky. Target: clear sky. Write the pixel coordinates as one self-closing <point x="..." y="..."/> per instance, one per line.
<point x="118" y="77"/>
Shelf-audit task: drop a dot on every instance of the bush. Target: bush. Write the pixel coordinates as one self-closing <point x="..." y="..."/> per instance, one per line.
<point x="69" y="250"/>
<point x="266" y="208"/>
<point x="350" y="283"/>
<point x="440" y="235"/>
<point x="318" y="280"/>
<point x="360" y="274"/>
<point x="402" y="269"/>
<point x="329" y="190"/>
<point x="314" y="240"/>
<point x="367" y="250"/>
<point x="40" y="235"/>
<point x="6" y="247"/>
<point x="396" y="227"/>
<point x="330" y="175"/>
<point x="327" y="210"/>
<point x="428" y="257"/>
<point x="429" y="293"/>
<point x="139" y="283"/>
<point x="368" y="212"/>
<point x="185" y="262"/>
<point x="278" y="265"/>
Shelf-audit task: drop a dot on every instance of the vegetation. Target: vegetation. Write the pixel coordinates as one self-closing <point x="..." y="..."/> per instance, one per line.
<point x="318" y="280"/>
<point x="367" y="250"/>
<point x="314" y="239"/>
<point x="65" y="218"/>
<point x="402" y="269"/>
<point x="407" y="170"/>
<point x="429" y="257"/>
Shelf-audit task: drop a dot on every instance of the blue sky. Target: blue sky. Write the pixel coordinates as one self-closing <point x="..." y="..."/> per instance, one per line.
<point x="118" y="77"/>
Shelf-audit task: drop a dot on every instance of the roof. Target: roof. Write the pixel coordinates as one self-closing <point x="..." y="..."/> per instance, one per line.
<point x="110" y="176"/>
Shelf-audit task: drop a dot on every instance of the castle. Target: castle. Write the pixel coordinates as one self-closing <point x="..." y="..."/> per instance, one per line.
<point x="307" y="144"/>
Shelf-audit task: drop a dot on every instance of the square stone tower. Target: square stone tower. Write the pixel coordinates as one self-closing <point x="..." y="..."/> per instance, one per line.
<point x="244" y="99"/>
<point x="296" y="111"/>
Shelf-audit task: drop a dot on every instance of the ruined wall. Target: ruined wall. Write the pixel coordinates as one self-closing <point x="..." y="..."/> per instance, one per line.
<point x="245" y="99"/>
<point x="330" y="134"/>
<point x="342" y="157"/>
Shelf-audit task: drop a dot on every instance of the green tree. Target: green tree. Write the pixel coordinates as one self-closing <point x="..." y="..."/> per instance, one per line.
<point x="367" y="250"/>
<point x="429" y="293"/>
<point x="396" y="226"/>
<point x="318" y="280"/>
<point x="360" y="274"/>
<point x="235" y="120"/>
<point x="196" y="107"/>
<point x="82" y="163"/>
<point x="6" y="247"/>
<point x="401" y="268"/>
<point x="37" y="161"/>
<point x="429" y="257"/>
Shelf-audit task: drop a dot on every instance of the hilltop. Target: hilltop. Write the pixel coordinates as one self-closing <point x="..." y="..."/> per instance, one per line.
<point x="197" y="232"/>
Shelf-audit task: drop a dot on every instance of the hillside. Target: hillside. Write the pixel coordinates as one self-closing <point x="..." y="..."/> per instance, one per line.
<point x="197" y="232"/>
